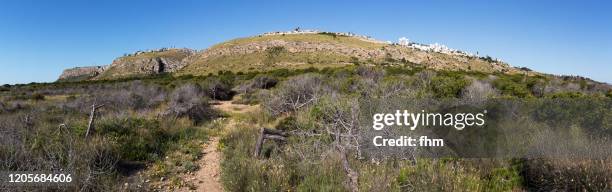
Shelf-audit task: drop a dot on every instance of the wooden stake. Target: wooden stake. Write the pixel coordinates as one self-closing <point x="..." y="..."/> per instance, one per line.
<point x="265" y="133"/>
<point x="259" y="143"/>
<point x="92" y="118"/>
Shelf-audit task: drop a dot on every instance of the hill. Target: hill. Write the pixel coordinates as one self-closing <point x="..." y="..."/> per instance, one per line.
<point x="291" y="50"/>
<point x="141" y="63"/>
<point x="301" y="50"/>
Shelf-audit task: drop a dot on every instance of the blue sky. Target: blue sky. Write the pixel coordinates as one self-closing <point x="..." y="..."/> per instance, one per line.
<point x="38" y="39"/>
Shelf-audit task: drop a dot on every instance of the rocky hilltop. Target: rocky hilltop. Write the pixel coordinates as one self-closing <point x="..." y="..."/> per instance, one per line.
<point x="293" y="49"/>
<point x="81" y="73"/>
<point x="147" y="63"/>
<point x="140" y="63"/>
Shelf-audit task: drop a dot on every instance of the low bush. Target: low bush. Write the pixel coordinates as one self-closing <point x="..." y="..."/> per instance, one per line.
<point x="137" y="139"/>
<point x="567" y="174"/>
<point x="511" y="86"/>
<point x="38" y="97"/>
<point x="287" y="124"/>
<point x="216" y="88"/>
<point x="456" y="175"/>
<point x="189" y="101"/>
<point x="294" y="94"/>
<point x="279" y="171"/>
<point x="478" y="91"/>
<point x="248" y="98"/>
<point x="5" y="87"/>
<point x="370" y="73"/>
<point x="258" y="82"/>
<point x="448" y="86"/>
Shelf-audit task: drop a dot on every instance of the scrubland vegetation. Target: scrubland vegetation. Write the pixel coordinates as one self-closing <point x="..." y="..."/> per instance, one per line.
<point x="143" y="123"/>
<point x="320" y="109"/>
<point x="155" y="125"/>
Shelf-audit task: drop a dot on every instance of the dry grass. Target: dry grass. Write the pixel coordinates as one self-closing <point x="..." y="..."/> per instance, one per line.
<point x="259" y="61"/>
<point x="349" y="41"/>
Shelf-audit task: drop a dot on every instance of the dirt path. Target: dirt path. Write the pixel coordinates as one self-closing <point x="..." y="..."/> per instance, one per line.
<point x="207" y="178"/>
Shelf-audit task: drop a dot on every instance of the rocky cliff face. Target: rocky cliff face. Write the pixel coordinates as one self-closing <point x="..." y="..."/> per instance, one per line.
<point x="81" y="73"/>
<point x="147" y="63"/>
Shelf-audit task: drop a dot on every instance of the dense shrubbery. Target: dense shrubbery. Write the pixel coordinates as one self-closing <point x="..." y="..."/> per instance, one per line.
<point x="478" y="91"/>
<point x="295" y="93"/>
<point x="136" y="139"/>
<point x="259" y="82"/>
<point x="512" y="87"/>
<point x="568" y="174"/>
<point x="455" y="175"/>
<point x="218" y="88"/>
<point x="319" y="105"/>
<point x="38" y="97"/>
<point x="448" y="86"/>
<point x="281" y="171"/>
<point x="326" y="103"/>
<point x="49" y="134"/>
<point x="189" y="101"/>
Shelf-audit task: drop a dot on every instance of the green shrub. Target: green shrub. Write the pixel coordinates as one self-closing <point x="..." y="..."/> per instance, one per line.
<point x="567" y="95"/>
<point x="38" y="97"/>
<point x="503" y="179"/>
<point x="326" y="176"/>
<point x="272" y="53"/>
<point x="281" y="171"/>
<point x="189" y="101"/>
<point x="429" y="175"/>
<point x="5" y="87"/>
<point x="488" y="59"/>
<point x="567" y="174"/>
<point x="398" y="70"/>
<point x="511" y="86"/>
<point x="287" y="124"/>
<point x="137" y="139"/>
<point x="280" y="72"/>
<point x="333" y="35"/>
<point x="219" y="88"/>
<point x="448" y="86"/>
<point x="456" y="175"/>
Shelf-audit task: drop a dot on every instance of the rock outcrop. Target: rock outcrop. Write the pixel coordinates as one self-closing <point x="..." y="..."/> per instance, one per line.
<point x="147" y="63"/>
<point x="81" y="73"/>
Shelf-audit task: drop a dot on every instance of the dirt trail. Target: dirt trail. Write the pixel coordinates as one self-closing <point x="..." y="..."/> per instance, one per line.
<point x="207" y="178"/>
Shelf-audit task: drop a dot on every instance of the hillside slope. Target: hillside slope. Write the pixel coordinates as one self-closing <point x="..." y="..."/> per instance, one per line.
<point x="147" y="63"/>
<point x="290" y="51"/>
<point x="81" y="73"/>
<point x="141" y="63"/>
<point x="323" y="50"/>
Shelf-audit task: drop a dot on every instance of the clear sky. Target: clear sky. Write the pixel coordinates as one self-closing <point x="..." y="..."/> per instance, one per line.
<point x="38" y="39"/>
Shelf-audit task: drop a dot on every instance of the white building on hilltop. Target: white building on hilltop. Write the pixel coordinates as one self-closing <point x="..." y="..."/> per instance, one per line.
<point x="403" y="41"/>
<point x="439" y="48"/>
